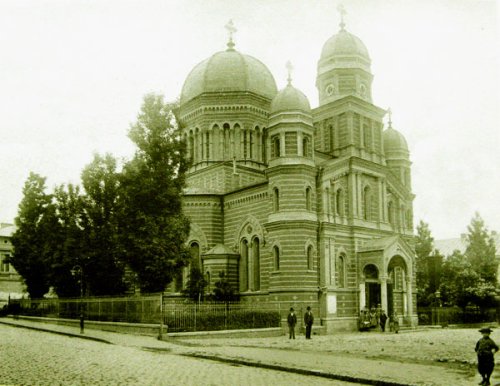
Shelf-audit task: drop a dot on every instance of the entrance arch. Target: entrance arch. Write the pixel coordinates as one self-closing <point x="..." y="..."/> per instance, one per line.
<point x="373" y="294"/>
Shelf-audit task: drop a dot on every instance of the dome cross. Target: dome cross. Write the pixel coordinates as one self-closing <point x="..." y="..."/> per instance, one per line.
<point x="289" y="67"/>
<point x="231" y="29"/>
<point x="343" y="12"/>
<point x="389" y="112"/>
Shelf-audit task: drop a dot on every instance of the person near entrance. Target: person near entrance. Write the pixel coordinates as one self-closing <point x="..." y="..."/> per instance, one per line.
<point x="485" y="349"/>
<point x="292" y="321"/>
<point x="382" y="320"/>
<point x="308" y="321"/>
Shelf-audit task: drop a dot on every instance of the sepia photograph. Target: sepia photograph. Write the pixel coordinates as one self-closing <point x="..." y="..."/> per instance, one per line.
<point x="236" y="192"/>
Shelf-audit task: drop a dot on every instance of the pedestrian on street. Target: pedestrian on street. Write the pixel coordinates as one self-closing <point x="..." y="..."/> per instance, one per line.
<point x="485" y="349"/>
<point x="383" y="320"/>
<point x="308" y="321"/>
<point x="292" y="321"/>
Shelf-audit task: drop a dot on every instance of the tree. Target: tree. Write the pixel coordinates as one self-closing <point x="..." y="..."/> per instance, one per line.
<point x="102" y="262"/>
<point x="428" y="264"/>
<point x="66" y="241"/>
<point x="224" y="291"/>
<point x="34" y="223"/>
<point x="481" y="250"/>
<point x="195" y="287"/>
<point x="152" y="225"/>
<point x="462" y="286"/>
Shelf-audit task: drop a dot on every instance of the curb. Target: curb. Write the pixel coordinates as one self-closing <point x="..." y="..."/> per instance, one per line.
<point x="317" y="373"/>
<point x="81" y="336"/>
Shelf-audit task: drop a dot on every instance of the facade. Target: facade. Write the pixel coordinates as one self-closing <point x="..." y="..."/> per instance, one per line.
<point x="11" y="283"/>
<point x="298" y="204"/>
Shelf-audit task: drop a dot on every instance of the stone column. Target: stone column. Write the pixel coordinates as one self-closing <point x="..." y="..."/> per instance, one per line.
<point x="383" y="292"/>
<point x="300" y="144"/>
<point x="282" y="145"/>
<point x="362" y="295"/>
<point x="409" y="299"/>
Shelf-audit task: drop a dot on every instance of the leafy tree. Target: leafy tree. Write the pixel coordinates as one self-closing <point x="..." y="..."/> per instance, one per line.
<point x="152" y="225"/>
<point x="224" y="291"/>
<point x="66" y="241"/>
<point x="195" y="287"/>
<point x="462" y="285"/>
<point x="428" y="264"/>
<point x="481" y="250"/>
<point x="102" y="263"/>
<point x="34" y="222"/>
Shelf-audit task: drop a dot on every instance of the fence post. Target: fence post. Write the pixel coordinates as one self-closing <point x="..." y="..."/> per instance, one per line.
<point x="195" y="316"/>
<point x="160" y="335"/>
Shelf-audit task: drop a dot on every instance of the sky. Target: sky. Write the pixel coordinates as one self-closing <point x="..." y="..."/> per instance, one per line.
<point x="73" y="75"/>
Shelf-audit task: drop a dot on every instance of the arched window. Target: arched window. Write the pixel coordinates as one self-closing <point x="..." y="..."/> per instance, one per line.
<point x="226" y="154"/>
<point x="332" y="137"/>
<point x="207" y="145"/>
<point x="276" y="255"/>
<point x="245" y="143"/>
<point x="191" y="147"/>
<point x="308" y="198"/>
<point x="256" y="264"/>
<point x="263" y="141"/>
<point x="339" y="204"/>
<point x="276" y="199"/>
<point x="340" y="271"/>
<point x="305" y="146"/>
<point x="243" y="266"/>
<point x="276" y="146"/>
<point x="310" y="258"/>
<point x="194" y="250"/>
<point x="367" y="203"/>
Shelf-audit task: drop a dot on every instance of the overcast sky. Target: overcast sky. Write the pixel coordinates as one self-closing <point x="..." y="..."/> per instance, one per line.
<point x="73" y="75"/>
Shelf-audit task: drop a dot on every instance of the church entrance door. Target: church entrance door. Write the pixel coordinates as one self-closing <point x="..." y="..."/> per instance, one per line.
<point x="373" y="298"/>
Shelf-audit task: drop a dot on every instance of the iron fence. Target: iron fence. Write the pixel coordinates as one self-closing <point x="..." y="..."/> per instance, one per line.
<point x="454" y="315"/>
<point x="178" y="315"/>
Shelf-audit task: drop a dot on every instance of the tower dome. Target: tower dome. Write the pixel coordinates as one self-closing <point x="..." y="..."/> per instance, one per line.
<point x="229" y="71"/>
<point x="290" y="99"/>
<point x="344" y="68"/>
<point x="345" y="44"/>
<point x="394" y="141"/>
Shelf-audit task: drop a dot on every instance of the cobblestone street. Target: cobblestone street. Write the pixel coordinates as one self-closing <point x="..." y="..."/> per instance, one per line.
<point x="37" y="358"/>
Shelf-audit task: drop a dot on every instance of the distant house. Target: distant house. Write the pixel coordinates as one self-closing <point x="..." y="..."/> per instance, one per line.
<point x="11" y="283"/>
<point x="447" y="246"/>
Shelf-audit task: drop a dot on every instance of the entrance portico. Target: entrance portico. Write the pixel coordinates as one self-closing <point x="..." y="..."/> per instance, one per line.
<point x="385" y="281"/>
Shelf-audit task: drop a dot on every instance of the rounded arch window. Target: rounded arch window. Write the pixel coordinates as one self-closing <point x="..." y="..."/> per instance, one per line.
<point x="340" y="270"/>
<point x="276" y="199"/>
<point x="276" y="257"/>
<point x="308" y="198"/>
<point x="370" y="272"/>
<point x="339" y="202"/>
<point x="310" y="258"/>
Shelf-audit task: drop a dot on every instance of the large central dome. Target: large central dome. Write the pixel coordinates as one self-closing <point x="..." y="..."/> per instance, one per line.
<point x="229" y="71"/>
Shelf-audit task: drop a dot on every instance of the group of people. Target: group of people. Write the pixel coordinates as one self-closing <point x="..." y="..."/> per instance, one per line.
<point x="292" y="322"/>
<point x="377" y="317"/>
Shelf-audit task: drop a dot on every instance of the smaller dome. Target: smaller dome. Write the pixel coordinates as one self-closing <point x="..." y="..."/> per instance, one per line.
<point x="290" y="99"/>
<point x="394" y="141"/>
<point x="344" y="44"/>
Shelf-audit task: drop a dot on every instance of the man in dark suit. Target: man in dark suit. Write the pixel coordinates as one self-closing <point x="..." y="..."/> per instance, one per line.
<point x="292" y="321"/>
<point x="308" y="321"/>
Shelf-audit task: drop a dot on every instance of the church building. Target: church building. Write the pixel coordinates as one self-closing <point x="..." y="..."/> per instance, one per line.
<point x="300" y="205"/>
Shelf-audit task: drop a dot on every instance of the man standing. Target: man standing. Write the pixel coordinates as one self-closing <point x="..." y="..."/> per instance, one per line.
<point x="292" y="321"/>
<point x="383" y="320"/>
<point x="308" y="321"/>
<point x="485" y="349"/>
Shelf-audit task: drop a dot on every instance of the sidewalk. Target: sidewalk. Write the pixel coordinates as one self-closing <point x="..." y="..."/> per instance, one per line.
<point x="328" y="365"/>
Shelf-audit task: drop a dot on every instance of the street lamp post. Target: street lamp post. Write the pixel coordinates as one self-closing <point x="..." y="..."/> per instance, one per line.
<point x="77" y="270"/>
<point x="438" y="298"/>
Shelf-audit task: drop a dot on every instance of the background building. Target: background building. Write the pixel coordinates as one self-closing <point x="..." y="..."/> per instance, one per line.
<point x="11" y="283"/>
<point x="300" y="205"/>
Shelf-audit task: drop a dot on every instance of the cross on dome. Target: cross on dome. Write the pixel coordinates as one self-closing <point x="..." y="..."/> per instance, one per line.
<point x="289" y="67"/>
<point x="343" y="12"/>
<point x="231" y="29"/>
<point x="389" y="112"/>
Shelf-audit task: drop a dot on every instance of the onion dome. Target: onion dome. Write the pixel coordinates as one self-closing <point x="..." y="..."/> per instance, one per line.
<point x="290" y="99"/>
<point x="344" y="44"/>
<point x="394" y="140"/>
<point x="229" y="71"/>
<point x="395" y="145"/>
